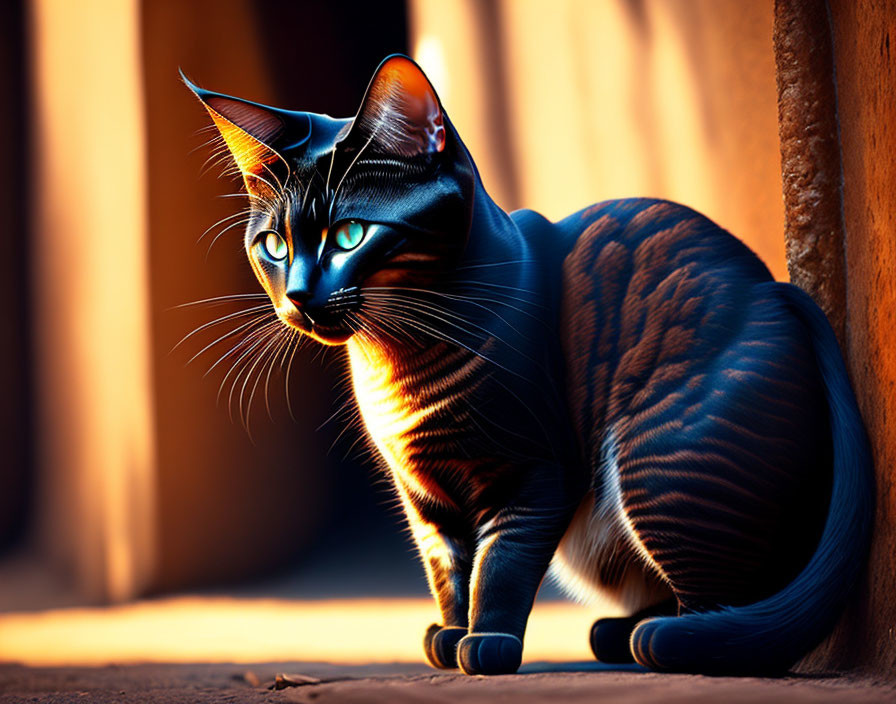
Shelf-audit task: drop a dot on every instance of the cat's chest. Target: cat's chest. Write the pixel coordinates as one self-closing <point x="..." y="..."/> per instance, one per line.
<point x="417" y="411"/>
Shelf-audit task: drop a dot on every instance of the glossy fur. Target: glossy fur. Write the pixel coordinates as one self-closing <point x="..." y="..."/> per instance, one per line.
<point x="625" y="393"/>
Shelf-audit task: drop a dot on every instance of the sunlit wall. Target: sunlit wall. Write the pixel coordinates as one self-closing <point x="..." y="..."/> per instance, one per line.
<point x="144" y="481"/>
<point x="568" y="102"/>
<point x="90" y="297"/>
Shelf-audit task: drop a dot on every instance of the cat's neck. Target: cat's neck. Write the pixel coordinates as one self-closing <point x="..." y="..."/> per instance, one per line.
<point x="467" y="302"/>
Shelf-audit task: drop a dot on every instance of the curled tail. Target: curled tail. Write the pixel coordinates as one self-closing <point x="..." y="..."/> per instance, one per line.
<point x="769" y="636"/>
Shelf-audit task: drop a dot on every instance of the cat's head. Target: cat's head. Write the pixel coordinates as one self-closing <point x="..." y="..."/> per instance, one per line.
<point x="340" y="208"/>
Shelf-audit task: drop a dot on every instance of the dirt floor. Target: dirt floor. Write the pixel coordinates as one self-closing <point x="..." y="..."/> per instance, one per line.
<point x="315" y="682"/>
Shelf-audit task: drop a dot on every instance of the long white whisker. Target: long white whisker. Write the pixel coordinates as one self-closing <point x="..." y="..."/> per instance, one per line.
<point x="350" y="166"/>
<point x="249" y="326"/>
<point x="254" y="310"/>
<point x="252" y="336"/>
<point x="244" y="212"/>
<point x="220" y="299"/>
<point x="261" y="355"/>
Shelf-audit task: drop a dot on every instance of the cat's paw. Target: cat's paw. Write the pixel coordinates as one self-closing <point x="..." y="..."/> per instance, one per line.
<point x="651" y="647"/>
<point x="610" y="640"/>
<point x="440" y="645"/>
<point x="489" y="654"/>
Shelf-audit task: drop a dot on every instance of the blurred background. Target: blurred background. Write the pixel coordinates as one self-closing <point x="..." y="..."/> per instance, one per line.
<point x="123" y="476"/>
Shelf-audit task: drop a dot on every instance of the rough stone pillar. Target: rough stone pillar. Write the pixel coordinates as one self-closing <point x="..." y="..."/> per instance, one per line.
<point x="837" y="111"/>
<point x="810" y="155"/>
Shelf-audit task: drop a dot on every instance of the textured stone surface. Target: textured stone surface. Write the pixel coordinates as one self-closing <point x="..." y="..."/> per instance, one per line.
<point x="810" y="154"/>
<point x="849" y="43"/>
<point x="866" y="96"/>
<point x="413" y="683"/>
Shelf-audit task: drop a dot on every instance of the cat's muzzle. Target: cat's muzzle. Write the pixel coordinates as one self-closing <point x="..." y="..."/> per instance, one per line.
<point x="344" y="300"/>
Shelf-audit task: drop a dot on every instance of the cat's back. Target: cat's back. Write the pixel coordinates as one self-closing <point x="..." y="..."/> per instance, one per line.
<point x="654" y="237"/>
<point x="649" y="287"/>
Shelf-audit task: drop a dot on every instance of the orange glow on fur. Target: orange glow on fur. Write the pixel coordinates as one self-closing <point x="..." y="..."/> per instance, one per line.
<point x="388" y="412"/>
<point x="251" y="155"/>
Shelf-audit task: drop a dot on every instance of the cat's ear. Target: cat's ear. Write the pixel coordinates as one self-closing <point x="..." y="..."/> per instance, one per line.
<point x="251" y="133"/>
<point x="401" y="112"/>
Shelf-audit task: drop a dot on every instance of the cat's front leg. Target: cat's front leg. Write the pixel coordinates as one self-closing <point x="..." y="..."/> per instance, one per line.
<point x="515" y="548"/>
<point x="448" y="563"/>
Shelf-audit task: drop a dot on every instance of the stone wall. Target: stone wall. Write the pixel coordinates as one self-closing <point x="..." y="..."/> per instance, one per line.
<point x="847" y="44"/>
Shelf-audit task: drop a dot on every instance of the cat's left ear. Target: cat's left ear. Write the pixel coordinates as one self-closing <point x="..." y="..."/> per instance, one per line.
<point x="401" y="112"/>
<point x="252" y="134"/>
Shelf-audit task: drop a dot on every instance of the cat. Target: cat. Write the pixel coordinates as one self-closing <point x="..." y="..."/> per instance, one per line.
<point x="625" y="396"/>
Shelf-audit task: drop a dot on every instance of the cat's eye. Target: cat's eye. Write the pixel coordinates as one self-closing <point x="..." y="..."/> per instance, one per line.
<point x="349" y="234"/>
<point x="275" y="246"/>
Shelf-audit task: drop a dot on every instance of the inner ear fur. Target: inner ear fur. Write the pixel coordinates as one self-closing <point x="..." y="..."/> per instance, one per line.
<point x="249" y="131"/>
<point x="401" y="112"/>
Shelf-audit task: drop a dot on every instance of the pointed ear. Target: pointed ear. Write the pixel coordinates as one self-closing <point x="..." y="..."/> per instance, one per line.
<point x="401" y="112"/>
<point x="250" y="132"/>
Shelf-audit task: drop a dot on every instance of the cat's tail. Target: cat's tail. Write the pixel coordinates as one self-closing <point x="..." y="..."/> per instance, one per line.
<point x="768" y="637"/>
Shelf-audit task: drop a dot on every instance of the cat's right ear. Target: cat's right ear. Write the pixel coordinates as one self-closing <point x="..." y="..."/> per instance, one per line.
<point x="251" y="134"/>
<point x="401" y="112"/>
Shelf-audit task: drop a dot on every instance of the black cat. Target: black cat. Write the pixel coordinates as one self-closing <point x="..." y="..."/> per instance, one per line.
<point x="626" y="392"/>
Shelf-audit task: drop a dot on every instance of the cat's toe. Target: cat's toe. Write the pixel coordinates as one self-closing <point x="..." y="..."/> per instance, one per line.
<point x="649" y="646"/>
<point x="489" y="654"/>
<point x="610" y="640"/>
<point x="440" y="645"/>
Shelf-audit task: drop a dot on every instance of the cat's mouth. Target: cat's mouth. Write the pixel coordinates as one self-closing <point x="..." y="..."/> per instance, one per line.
<point x="327" y="330"/>
<point x="327" y="324"/>
<point x="329" y="334"/>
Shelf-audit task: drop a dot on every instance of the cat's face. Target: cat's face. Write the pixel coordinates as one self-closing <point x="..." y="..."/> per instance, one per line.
<point x="343" y="211"/>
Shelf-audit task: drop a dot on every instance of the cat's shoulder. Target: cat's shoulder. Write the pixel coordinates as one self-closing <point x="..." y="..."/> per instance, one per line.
<point x="660" y="234"/>
<point x="635" y="217"/>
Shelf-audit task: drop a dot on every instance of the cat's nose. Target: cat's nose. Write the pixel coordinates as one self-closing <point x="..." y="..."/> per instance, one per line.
<point x="299" y="298"/>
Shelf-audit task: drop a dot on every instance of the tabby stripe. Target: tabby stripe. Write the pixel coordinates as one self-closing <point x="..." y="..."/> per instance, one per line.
<point x="741" y="430"/>
<point x="697" y="465"/>
<point x="672" y="497"/>
<point x="693" y="522"/>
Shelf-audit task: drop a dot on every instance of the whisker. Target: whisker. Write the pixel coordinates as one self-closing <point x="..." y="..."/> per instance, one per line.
<point x="281" y="355"/>
<point x="261" y="355"/>
<point x="244" y="212"/>
<point x="260" y="337"/>
<point x="350" y="166"/>
<point x="254" y="310"/>
<point x="434" y="311"/>
<point x="244" y="221"/>
<point x="220" y="299"/>
<point x="297" y="341"/>
<point x="458" y="298"/>
<point x="253" y="335"/>
<point x="492" y="264"/>
<point x="249" y="326"/>
<point x="442" y="335"/>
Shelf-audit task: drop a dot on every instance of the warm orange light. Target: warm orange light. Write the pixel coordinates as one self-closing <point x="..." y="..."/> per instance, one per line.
<point x="193" y="629"/>
<point x="585" y="101"/>
<point x="251" y="156"/>
<point x="387" y="411"/>
<point x="91" y="295"/>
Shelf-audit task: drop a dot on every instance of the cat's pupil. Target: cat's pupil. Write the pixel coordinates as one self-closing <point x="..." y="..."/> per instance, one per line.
<point x="350" y="234"/>
<point x="275" y="245"/>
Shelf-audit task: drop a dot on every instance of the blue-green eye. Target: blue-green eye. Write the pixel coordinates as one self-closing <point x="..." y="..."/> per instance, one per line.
<point x="275" y="246"/>
<point x="349" y="234"/>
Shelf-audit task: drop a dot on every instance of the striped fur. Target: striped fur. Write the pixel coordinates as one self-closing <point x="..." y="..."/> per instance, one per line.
<point x="625" y="393"/>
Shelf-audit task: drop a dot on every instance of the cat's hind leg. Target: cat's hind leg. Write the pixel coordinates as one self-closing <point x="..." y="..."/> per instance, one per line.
<point x="610" y="637"/>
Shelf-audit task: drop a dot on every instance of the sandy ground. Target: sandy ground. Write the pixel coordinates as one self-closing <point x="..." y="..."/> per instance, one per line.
<point x="401" y="683"/>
